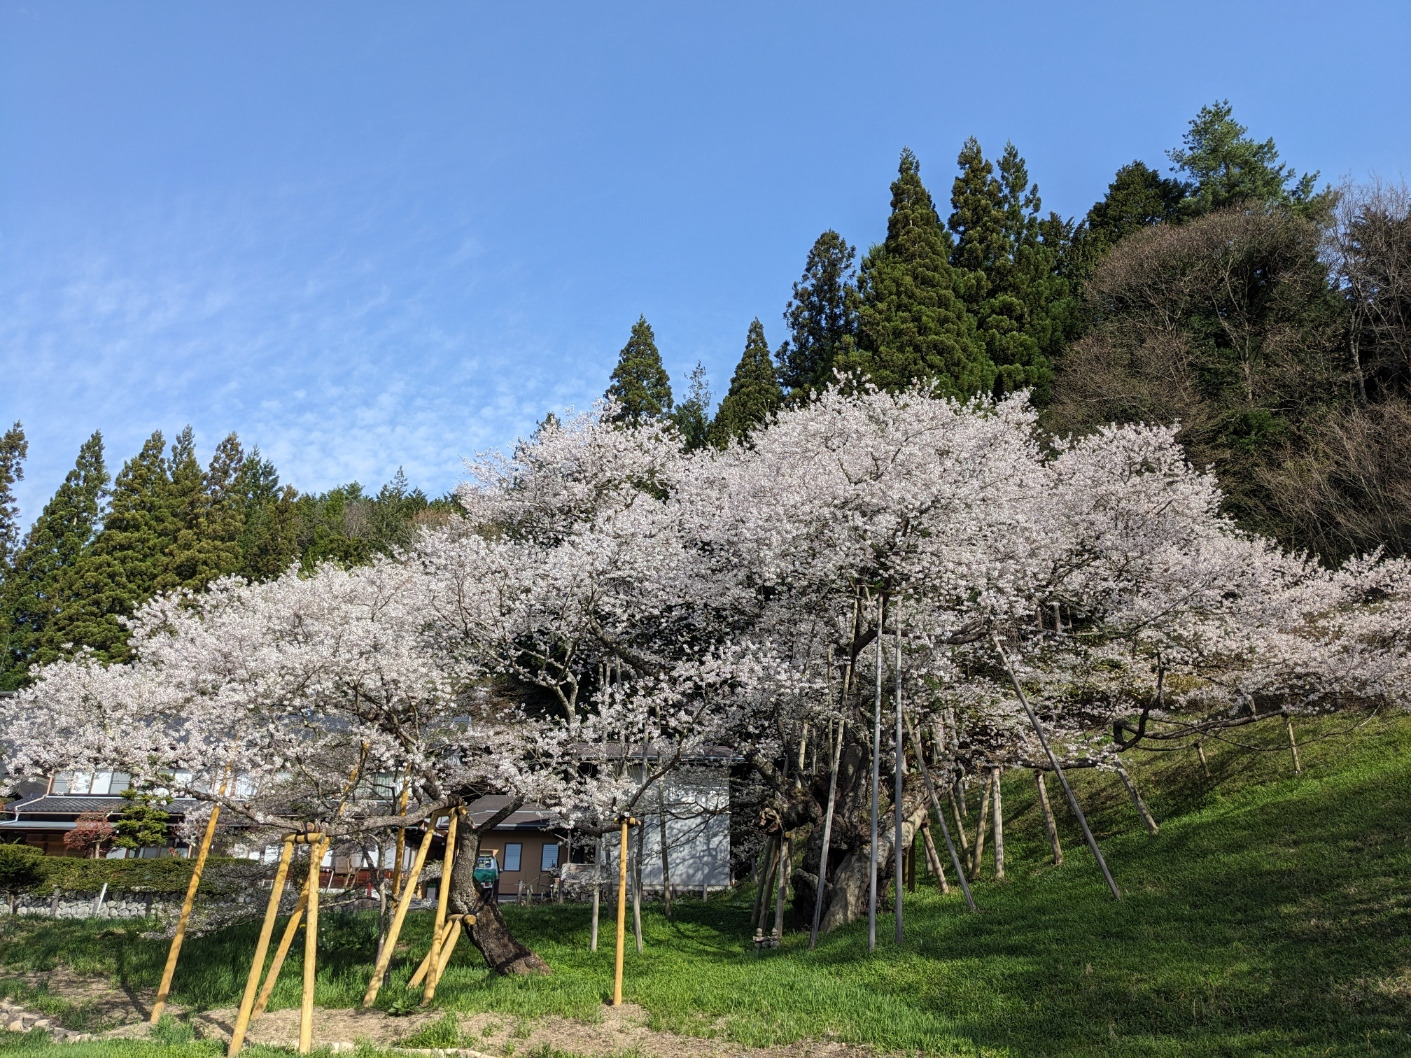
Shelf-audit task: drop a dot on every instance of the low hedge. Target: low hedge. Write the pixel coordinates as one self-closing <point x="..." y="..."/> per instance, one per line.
<point x="223" y="875"/>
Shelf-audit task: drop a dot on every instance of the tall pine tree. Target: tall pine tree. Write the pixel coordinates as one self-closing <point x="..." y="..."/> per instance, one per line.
<point x="754" y="395"/>
<point x="822" y="317"/>
<point x="128" y="559"/>
<point x="1012" y="261"/>
<point x="640" y="384"/>
<point x="692" y="415"/>
<point x="206" y="516"/>
<point x="912" y="322"/>
<point x="13" y="449"/>
<point x="268" y="519"/>
<point x="38" y="588"/>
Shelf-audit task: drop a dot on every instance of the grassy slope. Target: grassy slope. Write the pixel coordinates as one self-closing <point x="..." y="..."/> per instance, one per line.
<point x="1269" y="916"/>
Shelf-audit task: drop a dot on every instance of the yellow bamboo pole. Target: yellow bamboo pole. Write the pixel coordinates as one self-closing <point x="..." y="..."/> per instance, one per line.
<point x="621" y="912"/>
<point x="423" y="966"/>
<point x="306" y="1008"/>
<point x="443" y="896"/>
<point x="403" y="903"/>
<point x="401" y="836"/>
<point x="257" y="965"/>
<point x="448" y="945"/>
<point x="164" y="989"/>
<point x="284" y="944"/>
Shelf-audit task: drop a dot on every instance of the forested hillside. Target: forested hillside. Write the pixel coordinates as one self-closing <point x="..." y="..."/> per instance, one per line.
<point x="1271" y="318"/>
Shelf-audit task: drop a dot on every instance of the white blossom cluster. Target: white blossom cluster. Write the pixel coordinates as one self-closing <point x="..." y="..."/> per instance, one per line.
<point x="609" y="606"/>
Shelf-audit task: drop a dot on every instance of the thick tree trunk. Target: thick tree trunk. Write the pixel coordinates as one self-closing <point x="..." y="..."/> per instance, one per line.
<point x="490" y="935"/>
<point x="637" y="888"/>
<point x="847" y="889"/>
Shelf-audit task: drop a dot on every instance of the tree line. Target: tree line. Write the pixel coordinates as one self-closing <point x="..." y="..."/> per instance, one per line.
<point x="1267" y="317"/>
<point x="103" y="544"/>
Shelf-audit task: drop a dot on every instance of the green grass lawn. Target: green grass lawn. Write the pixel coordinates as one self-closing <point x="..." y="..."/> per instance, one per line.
<point x="1269" y="917"/>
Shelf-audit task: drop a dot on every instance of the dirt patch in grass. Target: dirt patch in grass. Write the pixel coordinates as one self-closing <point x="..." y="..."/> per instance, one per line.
<point x="621" y="1031"/>
<point x="95" y="1005"/>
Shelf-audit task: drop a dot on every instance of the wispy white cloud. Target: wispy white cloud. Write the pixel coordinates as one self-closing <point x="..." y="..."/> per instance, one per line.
<point x="344" y="349"/>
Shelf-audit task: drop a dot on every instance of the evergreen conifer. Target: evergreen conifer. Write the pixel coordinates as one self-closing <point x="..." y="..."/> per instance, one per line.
<point x="692" y="415"/>
<point x="13" y="449"/>
<point x="754" y="395"/>
<point x="640" y="384"/>
<point x="912" y="322"/>
<point x="1227" y="168"/>
<point x="37" y="587"/>
<point x="822" y="317"/>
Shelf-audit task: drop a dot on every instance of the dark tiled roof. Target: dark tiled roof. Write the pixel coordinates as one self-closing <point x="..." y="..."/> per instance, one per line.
<point x="75" y="804"/>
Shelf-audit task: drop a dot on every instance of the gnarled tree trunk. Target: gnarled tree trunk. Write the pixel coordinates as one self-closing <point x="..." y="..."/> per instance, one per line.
<point x="490" y="934"/>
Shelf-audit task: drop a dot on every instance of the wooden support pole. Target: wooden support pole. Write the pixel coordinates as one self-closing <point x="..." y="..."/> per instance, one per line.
<point x="1293" y="745"/>
<point x="443" y="897"/>
<point x="1050" y="824"/>
<point x="827" y="839"/>
<point x="257" y="964"/>
<point x="306" y="1005"/>
<point x="1200" y="752"/>
<point x="784" y="856"/>
<point x="766" y="883"/>
<point x="872" y="864"/>
<point x="940" y="818"/>
<point x="401" y="836"/>
<point x="597" y="891"/>
<point x="285" y="942"/>
<point x="174" y="952"/>
<point x="999" y="826"/>
<point x="454" y="928"/>
<point x="1137" y="802"/>
<point x="625" y="822"/>
<point x="977" y="854"/>
<point x="933" y="859"/>
<point x="898" y="765"/>
<point x="1057" y="768"/>
<point x="403" y="902"/>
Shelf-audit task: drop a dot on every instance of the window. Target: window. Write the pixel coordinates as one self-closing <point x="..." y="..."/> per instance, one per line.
<point x="549" y="861"/>
<point x="512" y="852"/>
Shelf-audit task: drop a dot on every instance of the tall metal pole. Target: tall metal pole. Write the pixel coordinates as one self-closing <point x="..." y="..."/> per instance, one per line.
<point x="896" y="768"/>
<point x="876" y="781"/>
<point x="1053" y="762"/>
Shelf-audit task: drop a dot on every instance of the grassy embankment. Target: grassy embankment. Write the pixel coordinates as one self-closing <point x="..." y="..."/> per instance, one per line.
<point x="1269" y="916"/>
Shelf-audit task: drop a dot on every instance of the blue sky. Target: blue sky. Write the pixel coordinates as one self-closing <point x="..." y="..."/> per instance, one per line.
<point x="366" y="236"/>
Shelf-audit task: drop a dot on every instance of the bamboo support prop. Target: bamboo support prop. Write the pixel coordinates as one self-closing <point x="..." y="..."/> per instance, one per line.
<point x="1058" y="769"/>
<point x="1146" y="817"/>
<point x="456" y="925"/>
<point x="1050" y="824"/>
<point x="899" y="751"/>
<point x="876" y="781"/>
<point x="933" y="859"/>
<point x="827" y="838"/>
<point x="784" y="862"/>
<point x="625" y="822"/>
<point x="401" y="836"/>
<point x="257" y="965"/>
<point x="174" y="952"/>
<point x="999" y="826"/>
<point x="285" y="943"/>
<point x="403" y="902"/>
<point x="306" y="1004"/>
<point x="940" y="818"/>
<point x="443" y="896"/>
